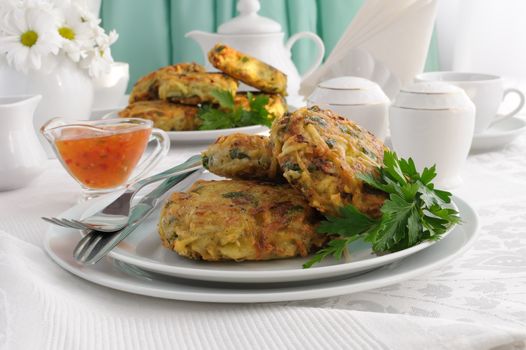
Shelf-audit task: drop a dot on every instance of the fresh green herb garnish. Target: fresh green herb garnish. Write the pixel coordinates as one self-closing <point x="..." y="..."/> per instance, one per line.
<point x="231" y="116"/>
<point x="414" y="212"/>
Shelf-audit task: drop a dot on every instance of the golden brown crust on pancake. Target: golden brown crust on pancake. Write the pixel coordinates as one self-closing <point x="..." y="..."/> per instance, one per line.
<point x="166" y="116"/>
<point x="241" y="156"/>
<point x="321" y="154"/>
<point x="195" y="88"/>
<point x="248" y="69"/>
<point x="239" y="220"/>
<point x="146" y="88"/>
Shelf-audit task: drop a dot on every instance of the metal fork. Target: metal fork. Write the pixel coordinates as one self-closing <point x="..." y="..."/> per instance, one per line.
<point x="115" y="215"/>
<point x="95" y="244"/>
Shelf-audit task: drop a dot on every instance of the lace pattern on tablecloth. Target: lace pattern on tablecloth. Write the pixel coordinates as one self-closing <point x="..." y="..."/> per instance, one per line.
<point x="488" y="283"/>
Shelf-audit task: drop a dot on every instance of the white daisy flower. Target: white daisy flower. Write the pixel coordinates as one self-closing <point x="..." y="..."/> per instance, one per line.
<point x="99" y="59"/>
<point x="29" y="35"/>
<point x="76" y="30"/>
<point x="97" y="62"/>
<point x="38" y="34"/>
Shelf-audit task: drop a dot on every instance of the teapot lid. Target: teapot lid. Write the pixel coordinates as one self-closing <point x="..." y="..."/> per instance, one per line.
<point x="248" y="21"/>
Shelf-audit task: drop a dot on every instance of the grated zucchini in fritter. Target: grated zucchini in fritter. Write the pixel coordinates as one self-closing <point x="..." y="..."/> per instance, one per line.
<point x="241" y="156"/>
<point x="147" y="87"/>
<point x="166" y="116"/>
<point x="195" y="88"/>
<point x="239" y="220"/>
<point x="248" y="69"/>
<point x="321" y="154"/>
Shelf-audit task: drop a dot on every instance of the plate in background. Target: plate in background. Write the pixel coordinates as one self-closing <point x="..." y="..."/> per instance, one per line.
<point x="498" y="135"/>
<point x="204" y="136"/>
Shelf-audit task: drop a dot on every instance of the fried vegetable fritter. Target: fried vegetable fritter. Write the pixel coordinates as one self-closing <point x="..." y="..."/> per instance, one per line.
<point x="195" y="88"/>
<point x="166" y="116"/>
<point x="241" y="156"/>
<point x="248" y="69"/>
<point x="146" y="88"/>
<point x="276" y="106"/>
<point x="321" y="154"/>
<point x="239" y="220"/>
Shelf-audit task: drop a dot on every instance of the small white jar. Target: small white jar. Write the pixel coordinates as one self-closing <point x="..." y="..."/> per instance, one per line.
<point x="357" y="99"/>
<point x="433" y="123"/>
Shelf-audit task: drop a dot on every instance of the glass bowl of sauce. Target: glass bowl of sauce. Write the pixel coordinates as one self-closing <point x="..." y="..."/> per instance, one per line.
<point x="105" y="155"/>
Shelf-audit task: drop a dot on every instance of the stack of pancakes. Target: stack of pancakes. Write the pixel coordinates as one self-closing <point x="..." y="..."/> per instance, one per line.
<point x="171" y="95"/>
<point x="280" y="184"/>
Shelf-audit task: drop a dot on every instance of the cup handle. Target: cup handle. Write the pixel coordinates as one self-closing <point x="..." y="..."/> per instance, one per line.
<point x="162" y="147"/>
<point x="319" y="44"/>
<point x="516" y="110"/>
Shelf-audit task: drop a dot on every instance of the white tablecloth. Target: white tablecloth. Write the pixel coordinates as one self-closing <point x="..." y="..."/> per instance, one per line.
<point x="476" y="302"/>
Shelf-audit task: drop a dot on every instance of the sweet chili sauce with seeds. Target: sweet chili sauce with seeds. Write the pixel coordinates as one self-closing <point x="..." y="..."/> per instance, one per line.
<point x="103" y="161"/>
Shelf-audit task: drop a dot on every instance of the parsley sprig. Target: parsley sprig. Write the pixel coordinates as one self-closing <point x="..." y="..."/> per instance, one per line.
<point x="414" y="212"/>
<point x="231" y="116"/>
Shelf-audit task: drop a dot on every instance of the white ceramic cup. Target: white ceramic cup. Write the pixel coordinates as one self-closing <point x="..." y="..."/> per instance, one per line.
<point x="110" y="88"/>
<point x="485" y="90"/>
<point x="432" y="123"/>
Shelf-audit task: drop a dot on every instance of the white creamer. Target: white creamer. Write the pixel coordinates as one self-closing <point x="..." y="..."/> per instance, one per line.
<point x="22" y="158"/>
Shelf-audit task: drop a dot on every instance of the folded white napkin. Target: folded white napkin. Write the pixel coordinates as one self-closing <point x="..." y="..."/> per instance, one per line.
<point x="44" y="307"/>
<point x="395" y="33"/>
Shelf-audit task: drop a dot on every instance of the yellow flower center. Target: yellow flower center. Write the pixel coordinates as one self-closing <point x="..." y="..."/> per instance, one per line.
<point x="66" y="33"/>
<point x="29" y="38"/>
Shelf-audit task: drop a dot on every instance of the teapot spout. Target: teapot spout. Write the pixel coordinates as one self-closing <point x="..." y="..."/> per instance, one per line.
<point x="205" y="40"/>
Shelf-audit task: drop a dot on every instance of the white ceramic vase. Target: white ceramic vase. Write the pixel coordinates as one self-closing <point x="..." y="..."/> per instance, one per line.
<point x="67" y="91"/>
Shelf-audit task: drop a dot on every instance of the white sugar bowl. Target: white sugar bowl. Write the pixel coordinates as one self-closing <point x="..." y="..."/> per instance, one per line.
<point x="433" y="123"/>
<point x="357" y="99"/>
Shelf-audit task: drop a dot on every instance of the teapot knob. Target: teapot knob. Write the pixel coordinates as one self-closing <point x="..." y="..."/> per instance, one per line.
<point x="248" y="7"/>
<point x="248" y="21"/>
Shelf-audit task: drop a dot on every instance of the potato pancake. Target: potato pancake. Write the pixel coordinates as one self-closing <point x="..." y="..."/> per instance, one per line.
<point x="248" y="69"/>
<point x="321" y="154"/>
<point x="146" y="88"/>
<point x="241" y="156"/>
<point x="276" y="106"/>
<point x="195" y="88"/>
<point x="165" y="115"/>
<point x="239" y="220"/>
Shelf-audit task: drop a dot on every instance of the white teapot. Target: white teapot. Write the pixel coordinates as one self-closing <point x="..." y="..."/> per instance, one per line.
<point x="262" y="38"/>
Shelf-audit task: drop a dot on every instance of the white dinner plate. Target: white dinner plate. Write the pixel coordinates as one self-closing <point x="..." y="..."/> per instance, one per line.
<point x="498" y="135"/>
<point x="210" y="136"/>
<point x="143" y="249"/>
<point x="203" y="136"/>
<point x="118" y="275"/>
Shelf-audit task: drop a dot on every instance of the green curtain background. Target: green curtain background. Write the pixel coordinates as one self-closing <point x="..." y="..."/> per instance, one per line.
<point x="152" y="32"/>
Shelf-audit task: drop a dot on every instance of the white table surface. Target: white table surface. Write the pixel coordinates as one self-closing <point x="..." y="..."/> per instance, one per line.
<point x="486" y="286"/>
